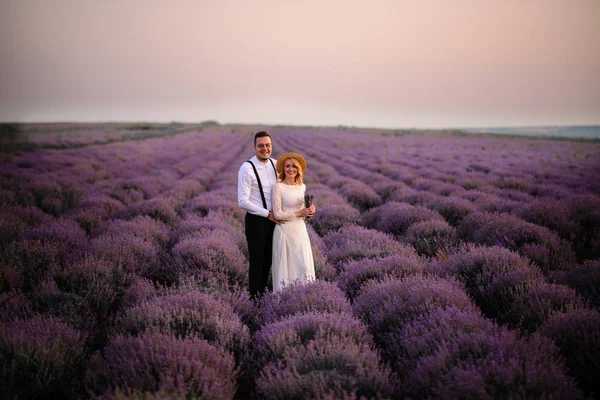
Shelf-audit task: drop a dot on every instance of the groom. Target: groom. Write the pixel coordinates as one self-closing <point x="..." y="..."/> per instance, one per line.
<point x="256" y="178"/>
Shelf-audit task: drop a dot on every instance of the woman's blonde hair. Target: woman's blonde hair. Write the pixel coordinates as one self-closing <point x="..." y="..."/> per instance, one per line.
<point x="298" y="178"/>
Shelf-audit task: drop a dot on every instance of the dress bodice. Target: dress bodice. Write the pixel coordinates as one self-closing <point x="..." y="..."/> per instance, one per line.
<point x="287" y="199"/>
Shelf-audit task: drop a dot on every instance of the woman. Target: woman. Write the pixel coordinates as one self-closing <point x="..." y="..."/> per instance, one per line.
<point x="292" y="254"/>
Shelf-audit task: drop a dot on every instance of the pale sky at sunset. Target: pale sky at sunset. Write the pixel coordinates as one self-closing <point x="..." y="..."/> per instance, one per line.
<point x="380" y="63"/>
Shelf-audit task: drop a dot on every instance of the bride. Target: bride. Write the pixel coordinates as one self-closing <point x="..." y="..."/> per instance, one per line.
<point x="292" y="254"/>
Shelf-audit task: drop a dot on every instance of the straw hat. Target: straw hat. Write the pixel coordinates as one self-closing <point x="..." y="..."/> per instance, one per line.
<point x="295" y="156"/>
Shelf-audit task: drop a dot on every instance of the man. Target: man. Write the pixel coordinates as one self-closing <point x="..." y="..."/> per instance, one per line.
<point x="256" y="178"/>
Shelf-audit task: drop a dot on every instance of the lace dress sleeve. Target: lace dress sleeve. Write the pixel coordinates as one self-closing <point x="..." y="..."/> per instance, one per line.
<point x="277" y="202"/>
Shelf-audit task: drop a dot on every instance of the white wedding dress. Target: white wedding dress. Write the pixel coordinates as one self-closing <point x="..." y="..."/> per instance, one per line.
<point x="292" y="254"/>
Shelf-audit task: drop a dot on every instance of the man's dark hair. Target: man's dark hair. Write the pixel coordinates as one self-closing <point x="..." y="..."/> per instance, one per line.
<point x="262" y="134"/>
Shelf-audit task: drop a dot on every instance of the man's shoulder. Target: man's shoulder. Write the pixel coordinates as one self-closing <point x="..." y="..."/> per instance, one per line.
<point x="246" y="165"/>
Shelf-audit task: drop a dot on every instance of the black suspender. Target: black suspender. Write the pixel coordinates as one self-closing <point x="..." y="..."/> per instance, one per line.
<point x="262" y="193"/>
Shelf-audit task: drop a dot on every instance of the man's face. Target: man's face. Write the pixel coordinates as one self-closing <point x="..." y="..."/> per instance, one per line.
<point x="262" y="148"/>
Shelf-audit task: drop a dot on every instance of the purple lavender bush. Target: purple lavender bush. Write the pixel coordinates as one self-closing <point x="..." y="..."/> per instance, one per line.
<point x="354" y="274"/>
<point x="15" y="220"/>
<point x="274" y="342"/>
<point x="138" y="291"/>
<point x="133" y="253"/>
<point x="498" y="280"/>
<point x="551" y="213"/>
<point x="215" y="200"/>
<point x="360" y="195"/>
<point x="355" y="242"/>
<point x="538" y="243"/>
<point x="51" y="196"/>
<point x="430" y="238"/>
<point x="384" y="305"/>
<point x="577" y="335"/>
<point x="331" y="217"/>
<point x="584" y="278"/>
<point x="93" y="210"/>
<point x="89" y="295"/>
<point x="316" y="296"/>
<point x="424" y="335"/>
<point x="214" y="220"/>
<point x="213" y="256"/>
<point x="34" y="261"/>
<point x="585" y="211"/>
<point x="161" y="209"/>
<point x="40" y="357"/>
<point x="335" y="367"/>
<point x="11" y="224"/>
<point x="190" y="314"/>
<point x="155" y="362"/>
<point x="541" y="303"/>
<point x="491" y="365"/>
<point x="65" y="235"/>
<point x="323" y="268"/>
<point x="395" y="218"/>
<point x="414" y="198"/>
<point x="237" y="297"/>
<point x="454" y="209"/>
<point x="141" y="226"/>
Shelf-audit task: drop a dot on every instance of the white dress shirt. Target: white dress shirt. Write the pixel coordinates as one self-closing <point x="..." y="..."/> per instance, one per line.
<point x="248" y="192"/>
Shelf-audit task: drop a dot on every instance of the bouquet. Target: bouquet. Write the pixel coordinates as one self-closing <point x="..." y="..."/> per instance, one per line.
<point x="308" y="200"/>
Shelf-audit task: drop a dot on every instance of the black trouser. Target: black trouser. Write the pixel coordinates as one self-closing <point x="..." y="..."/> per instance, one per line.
<point x="259" y="234"/>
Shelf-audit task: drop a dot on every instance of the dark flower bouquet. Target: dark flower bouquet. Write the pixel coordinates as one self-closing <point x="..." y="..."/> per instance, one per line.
<point x="308" y="200"/>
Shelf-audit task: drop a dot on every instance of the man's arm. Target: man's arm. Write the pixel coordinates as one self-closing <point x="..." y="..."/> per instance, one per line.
<point x="244" y="190"/>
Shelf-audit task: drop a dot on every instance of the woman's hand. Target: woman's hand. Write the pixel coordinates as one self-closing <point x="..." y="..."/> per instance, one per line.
<point x="305" y="212"/>
<point x="311" y="210"/>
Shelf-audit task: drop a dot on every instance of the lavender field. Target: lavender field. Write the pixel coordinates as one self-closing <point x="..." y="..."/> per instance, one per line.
<point x="448" y="265"/>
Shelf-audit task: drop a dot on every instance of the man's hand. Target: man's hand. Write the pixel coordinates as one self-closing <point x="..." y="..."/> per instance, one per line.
<point x="272" y="218"/>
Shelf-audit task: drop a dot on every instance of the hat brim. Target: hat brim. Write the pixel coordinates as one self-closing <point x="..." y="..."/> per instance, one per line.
<point x="287" y="156"/>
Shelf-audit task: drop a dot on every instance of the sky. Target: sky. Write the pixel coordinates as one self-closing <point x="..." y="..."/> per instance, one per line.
<point x="375" y="63"/>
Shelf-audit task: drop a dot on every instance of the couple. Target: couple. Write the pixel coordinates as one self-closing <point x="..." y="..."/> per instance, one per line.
<point x="272" y="193"/>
